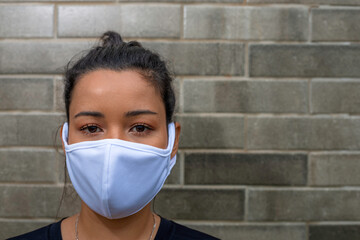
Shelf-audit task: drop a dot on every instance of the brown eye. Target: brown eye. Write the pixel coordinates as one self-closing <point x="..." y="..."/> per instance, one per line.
<point x="92" y="129"/>
<point x="139" y="128"/>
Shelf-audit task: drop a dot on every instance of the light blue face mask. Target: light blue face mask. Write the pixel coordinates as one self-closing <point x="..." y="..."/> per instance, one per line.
<point x="117" y="178"/>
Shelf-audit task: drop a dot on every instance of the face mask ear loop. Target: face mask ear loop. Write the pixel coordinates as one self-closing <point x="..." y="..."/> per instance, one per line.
<point x="171" y="140"/>
<point x="171" y="136"/>
<point x="65" y="133"/>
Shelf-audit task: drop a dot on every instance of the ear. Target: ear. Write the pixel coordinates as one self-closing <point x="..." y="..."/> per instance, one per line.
<point x="177" y="137"/>
<point x="61" y="139"/>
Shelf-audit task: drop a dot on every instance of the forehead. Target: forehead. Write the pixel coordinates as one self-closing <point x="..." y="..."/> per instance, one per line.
<point x="120" y="90"/>
<point x="113" y="80"/>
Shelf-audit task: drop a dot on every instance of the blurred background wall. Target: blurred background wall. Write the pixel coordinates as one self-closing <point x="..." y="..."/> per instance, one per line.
<point x="268" y="98"/>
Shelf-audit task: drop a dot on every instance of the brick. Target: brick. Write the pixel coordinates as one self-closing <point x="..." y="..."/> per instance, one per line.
<point x="26" y="21"/>
<point x="303" y="205"/>
<point x="187" y="58"/>
<point x="62" y="168"/>
<point x="322" y="133"/>
<point x="29" y="200"/>
<point x="336" y="96"/>
<point x="334" y="169"/>
<point x="148" y="19"/>
<point x="30" y="129"/>
<point x="59" y="92"/>
<point x="246" y="23"/>
<point x="51" y="57"/>
<point x="242" y="169"/>
<point x="89" y="21"/>
<point x="200" y="204"/>
<point x="331" y="24"/>
<point x="311" y="60"/>
<point x="8" y="135"/>
<point x="230" y="59"/>
<point x="93" y="21"/>
<point x="10" y="228"/>
<point x="334" y="232"/>
<point x="38" y="201"/>
<point x="177" y="85"/>
<point x="26" y="94"/>
<point x="211" y="131"/>
<point x="37" y="57"/>
<point x="28" y="165"/>
<point x="201" y="95"/>
<point x="249" y="231"/>
<point x="327" y="2"/>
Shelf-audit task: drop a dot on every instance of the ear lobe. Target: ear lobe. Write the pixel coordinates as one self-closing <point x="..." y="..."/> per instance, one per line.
<point x="177" y="137"/>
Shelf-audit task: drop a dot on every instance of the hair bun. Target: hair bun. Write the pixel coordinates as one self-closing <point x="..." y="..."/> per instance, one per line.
<point x="134" y="44"/>
<point x="111" y="38"/>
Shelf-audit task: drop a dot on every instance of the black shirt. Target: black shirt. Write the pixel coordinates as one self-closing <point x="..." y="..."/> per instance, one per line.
<point x="168" y="230"/>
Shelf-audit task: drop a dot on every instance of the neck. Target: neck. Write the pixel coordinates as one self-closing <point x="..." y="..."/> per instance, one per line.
<point x="94" y="226"/>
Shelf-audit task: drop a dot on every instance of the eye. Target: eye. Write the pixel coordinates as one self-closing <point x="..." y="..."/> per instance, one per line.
<point x="90" y="129"/>
<point x="140" y="129"/>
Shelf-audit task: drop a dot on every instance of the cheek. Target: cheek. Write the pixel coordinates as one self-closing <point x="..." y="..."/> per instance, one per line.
<point x="72" y="138"/>
<point x="162" y="140"/>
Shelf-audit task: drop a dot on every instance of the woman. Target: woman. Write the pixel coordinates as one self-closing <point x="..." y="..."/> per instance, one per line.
<point x="120" y="144"/>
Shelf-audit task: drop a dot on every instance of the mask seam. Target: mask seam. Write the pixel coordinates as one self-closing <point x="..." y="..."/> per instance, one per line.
<point x="127" y="147"/>
<point x="84" y="147"/>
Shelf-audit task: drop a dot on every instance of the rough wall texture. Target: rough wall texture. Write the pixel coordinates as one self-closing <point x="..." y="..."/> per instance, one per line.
<point x="268" y="97"/>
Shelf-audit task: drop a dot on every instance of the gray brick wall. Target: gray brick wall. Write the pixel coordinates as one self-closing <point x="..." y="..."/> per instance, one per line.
<point x="268" y="98"/>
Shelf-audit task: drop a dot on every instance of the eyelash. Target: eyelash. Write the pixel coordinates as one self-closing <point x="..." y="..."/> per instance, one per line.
<point x="87" y="126"/>
<point x="147" y="128"/>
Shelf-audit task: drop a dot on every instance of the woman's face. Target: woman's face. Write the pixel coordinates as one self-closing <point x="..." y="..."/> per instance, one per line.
<point x="120" y="105"/>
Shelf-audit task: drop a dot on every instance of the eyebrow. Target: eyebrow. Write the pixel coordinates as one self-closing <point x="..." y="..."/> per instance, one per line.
<point x="92" y="114"/>
<point x="138" y="112"/>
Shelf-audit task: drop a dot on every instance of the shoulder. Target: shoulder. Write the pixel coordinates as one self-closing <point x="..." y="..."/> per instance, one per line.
<point x="49" y="232"/>
<point x="183" y="232"/>
<point x="174" y="231"/>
